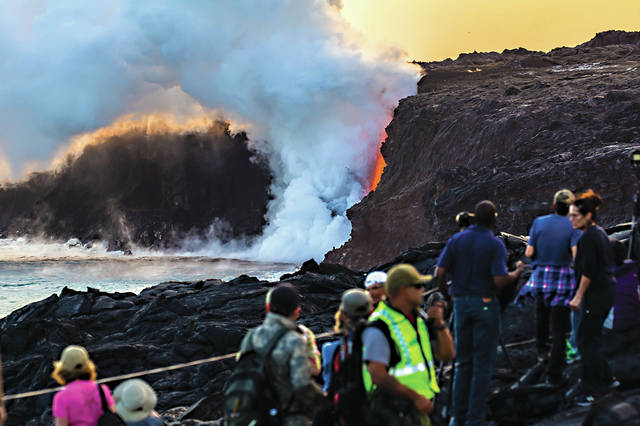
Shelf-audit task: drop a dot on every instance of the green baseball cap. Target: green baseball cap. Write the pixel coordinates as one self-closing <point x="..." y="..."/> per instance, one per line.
<point x="404" y="275"/>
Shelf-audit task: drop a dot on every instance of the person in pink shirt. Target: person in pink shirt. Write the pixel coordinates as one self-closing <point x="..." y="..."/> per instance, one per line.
<point x="79" y="403"/>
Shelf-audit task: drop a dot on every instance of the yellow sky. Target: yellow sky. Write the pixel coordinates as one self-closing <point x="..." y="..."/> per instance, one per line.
<point x="431" y="30"/>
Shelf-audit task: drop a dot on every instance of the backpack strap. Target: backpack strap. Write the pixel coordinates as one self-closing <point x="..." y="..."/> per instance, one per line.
<point x="105" y="406"/>
<point x="274" y="341"/>
<point x="382" y="326"/>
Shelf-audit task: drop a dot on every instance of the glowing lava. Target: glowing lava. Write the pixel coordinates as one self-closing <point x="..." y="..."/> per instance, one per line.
<point x="380" y="165"/>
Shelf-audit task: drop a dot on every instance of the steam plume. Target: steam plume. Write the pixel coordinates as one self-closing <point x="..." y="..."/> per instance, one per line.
<point x="289" y="73"/>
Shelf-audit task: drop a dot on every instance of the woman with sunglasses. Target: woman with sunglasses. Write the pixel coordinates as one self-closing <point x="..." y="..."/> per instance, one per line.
<point x="594" y="268"/>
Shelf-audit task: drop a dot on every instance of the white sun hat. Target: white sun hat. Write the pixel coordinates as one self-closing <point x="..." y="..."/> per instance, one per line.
<point x="375" y="277"/>
<point x="135" y="400"/>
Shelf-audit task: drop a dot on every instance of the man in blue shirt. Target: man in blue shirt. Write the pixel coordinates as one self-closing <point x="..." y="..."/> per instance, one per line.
<point x="476" y="261"/>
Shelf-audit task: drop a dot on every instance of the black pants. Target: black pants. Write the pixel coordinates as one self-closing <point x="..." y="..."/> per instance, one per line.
<point x="596" y="374"/>
<point x="559" y="316"/>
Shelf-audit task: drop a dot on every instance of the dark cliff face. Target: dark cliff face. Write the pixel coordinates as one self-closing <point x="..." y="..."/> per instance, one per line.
<point x="146" y="189"/>
<point x="511" y="127"/>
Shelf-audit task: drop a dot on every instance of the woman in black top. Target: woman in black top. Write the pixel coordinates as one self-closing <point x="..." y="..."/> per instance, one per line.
<point x="595" y="295"/>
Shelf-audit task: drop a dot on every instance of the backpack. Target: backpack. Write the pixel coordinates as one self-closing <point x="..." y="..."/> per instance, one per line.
<point x="248" y="394"/>
<point x="108" y="417"/>
<point x="346" y="388"/>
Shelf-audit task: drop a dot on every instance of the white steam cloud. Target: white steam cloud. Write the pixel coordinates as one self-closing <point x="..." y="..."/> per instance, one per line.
<point x="290" y="72"/>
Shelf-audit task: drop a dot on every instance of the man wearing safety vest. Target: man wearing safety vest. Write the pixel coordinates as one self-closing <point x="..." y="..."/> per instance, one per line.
<point x="397" y="350"/>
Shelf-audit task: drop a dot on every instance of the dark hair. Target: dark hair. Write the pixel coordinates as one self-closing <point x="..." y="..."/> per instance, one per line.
<point x="486" y="213"/>
<point x="561" y="208"/>
<point x="588" y="202"/>
<point x="283" y="299"/>
<point x="464" y="219"/>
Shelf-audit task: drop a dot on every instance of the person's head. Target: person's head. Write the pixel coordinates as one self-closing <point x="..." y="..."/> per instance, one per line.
<point x="464" y="220"/>
<point x="355" y="305"/>
<point x="284" y="300"/>
<point x="374" y="284"/>
<point x="486" y="214"/>
<point x="562" y="200"/>
<point x="74" y="364"/>
<point x="405" y="285"/>
<point x="135" y="400"/>
<point x="584" y="210"/>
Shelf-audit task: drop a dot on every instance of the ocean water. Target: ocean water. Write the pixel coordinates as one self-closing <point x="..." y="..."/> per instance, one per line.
<point x="34" y="270"/>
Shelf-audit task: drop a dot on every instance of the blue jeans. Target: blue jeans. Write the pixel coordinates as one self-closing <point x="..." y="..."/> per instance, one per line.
<point x="477" y="325"/>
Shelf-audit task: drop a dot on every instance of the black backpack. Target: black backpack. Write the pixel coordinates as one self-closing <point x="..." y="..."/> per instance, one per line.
<point x="108" y="417"/>
<point x="248" y="394"/>
<point x="346" y="387"/>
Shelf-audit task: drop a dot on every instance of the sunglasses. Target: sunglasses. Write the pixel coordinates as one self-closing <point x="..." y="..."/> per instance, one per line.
<point x="418" y="285"/>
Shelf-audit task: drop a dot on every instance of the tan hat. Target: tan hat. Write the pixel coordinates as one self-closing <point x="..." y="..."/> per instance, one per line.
<point x="135" y="400"/>
<point x="356" y="303"/>
<point x="73" y="361"/>
<point x="564" y="196"/>
<point x="404" y="275"/>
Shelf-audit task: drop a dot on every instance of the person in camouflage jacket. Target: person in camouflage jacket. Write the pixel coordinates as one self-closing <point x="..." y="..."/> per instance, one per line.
<point x="298" y="394"/>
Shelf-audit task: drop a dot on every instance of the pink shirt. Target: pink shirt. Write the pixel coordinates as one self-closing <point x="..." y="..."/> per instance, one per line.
<point x="79" y="403"/>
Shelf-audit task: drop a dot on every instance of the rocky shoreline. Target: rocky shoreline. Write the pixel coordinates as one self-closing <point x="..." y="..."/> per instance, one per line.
<point x="176" y="322"/>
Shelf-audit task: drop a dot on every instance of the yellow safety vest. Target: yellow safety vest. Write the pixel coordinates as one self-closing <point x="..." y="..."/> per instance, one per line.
<point x="413" y="370"/>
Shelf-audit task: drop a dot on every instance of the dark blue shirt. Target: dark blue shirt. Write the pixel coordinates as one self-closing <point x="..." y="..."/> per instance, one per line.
<point x="552" y="237"/>
<point x="473" y="257"/>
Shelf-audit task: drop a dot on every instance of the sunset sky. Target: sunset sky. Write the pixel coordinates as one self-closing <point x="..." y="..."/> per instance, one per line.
<point x="431" y="30"/>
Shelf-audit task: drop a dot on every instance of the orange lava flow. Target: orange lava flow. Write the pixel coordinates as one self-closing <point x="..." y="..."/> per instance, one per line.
<point x="380" y="165"/>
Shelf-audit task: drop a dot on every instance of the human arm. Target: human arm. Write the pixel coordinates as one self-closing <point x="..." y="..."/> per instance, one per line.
<point x="307" y="393"/>
<point x="575" y="303"/>
<point x="530" y="251"/>
<point x="441" y="280"/>
<point x="61" y="421"/>
<point x="446" y="348"/>
<point x="381" y="378"/>
<point x="574" y="251"/>
<point x="511" y="277"/>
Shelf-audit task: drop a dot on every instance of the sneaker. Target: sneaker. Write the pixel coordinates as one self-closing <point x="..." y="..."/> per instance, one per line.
<point x="585" y="400"/>
<point x="572" y="353"/>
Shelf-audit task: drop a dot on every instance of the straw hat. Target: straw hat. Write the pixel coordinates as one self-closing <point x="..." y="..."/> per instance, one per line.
<point x="73" y="362"/>
<point x="135" y="400"/>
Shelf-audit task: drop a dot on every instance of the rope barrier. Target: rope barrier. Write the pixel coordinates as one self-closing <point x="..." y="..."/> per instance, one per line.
<point x="178" y="367"/>
<point x="142" y="373"/>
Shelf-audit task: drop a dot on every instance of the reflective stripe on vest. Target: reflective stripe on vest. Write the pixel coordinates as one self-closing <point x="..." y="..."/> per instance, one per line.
<point x="411" y="371"/>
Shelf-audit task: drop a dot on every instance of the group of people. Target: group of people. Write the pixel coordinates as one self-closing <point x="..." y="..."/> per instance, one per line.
<point x="84" y="402"/>
<point x="574" y="284"/>
<point x="382" y="368"/>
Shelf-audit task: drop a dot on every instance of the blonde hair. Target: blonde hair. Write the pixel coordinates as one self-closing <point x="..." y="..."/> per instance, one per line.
<point x="338" y="322"/>
<point x="63" y="376"/>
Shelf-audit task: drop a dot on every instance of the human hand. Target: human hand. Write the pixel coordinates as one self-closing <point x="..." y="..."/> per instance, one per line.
<point x="3" y="415"/>
<point x="575" y="303"/>
<point x="436" y="312"/>
<point x="423" y="405"/>
<point x="520" y="266"/>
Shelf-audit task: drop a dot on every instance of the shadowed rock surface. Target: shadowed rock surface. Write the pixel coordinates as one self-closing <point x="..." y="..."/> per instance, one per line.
<point x="147" y="189"/>
<point x="512" y="127"/>
<point x="178" y="322"/>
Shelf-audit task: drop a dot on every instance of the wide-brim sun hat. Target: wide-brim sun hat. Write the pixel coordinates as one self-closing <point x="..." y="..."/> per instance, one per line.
<point x="135" y="400"/>
<point x="74" y="360"/>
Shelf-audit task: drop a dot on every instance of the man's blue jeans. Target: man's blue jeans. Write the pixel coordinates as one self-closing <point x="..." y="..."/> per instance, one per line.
<point x="477" y="325"/>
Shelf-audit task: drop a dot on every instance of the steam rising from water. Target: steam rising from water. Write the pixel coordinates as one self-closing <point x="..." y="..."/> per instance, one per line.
<point x="290" y="73"/>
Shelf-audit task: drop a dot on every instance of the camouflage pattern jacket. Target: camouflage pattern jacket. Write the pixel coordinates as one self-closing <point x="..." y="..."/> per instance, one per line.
<point x="298" y="394"/>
